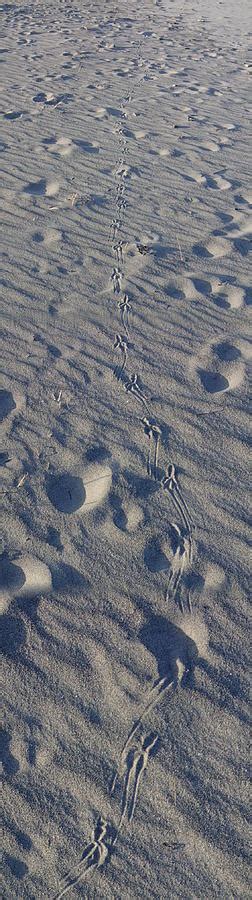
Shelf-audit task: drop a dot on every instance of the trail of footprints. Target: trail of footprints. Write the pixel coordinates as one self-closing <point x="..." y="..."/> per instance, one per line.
<point x="218" y="367"/>
<point x="138" y="748"/>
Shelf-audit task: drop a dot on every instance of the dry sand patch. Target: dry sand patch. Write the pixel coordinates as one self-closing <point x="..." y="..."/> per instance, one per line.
<point x="124" y="563"/>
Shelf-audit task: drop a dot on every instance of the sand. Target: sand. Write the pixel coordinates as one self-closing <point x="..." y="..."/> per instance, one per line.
<point x="126" y="285"/>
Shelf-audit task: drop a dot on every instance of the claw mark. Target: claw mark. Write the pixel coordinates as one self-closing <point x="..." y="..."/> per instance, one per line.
<point x="114" y="227"/>
<point x="169" y="482"/>
<point x="137" y="764"/>
<point x="121" y="204"/>
<point x="143" y="248"/>
<point x="93" y="857"/>
<point x="180" y="562"/>
<point x="118" y="250"/>
<point x="171" y="477"/>
<point x="133" y="387"/>
<point x="120" y="344"/>
<point x="116" y="279"/>
<point x="122" y="172"/>
<point x="125" y="307"/>
<point x="154" y="434"/>
<point x="156" y="692"/>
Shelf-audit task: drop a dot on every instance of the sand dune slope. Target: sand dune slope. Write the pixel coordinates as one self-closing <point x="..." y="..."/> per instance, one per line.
<point x="126" y="279"/>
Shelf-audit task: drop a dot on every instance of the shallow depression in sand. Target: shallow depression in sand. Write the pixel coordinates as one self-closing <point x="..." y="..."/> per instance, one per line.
<point x="70" y="493"/>
<point x="7" y="404"/>
<point x="227" y="352"/>
<point x="213" y="382"/>
<point x="224" y="367"/>
<point x="25" y="576"/>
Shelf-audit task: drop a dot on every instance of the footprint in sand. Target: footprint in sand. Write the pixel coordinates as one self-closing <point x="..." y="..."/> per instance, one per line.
<point x="214" y="578"/>
<point x="11" y="403"/>
<point x="7" y="404"/>
<point x="245" y="197"/>
<point x="163" y="152"/>
<point x="51" y="348"/>
<point x="215" y="247"/>
<point x="137" y="135"/>
<point x="176" y="288"/>
<point x="79" y="493"/>
<point x="242" y="238"/>
<point x="156" y="557"/>
<point x="227" y="295"/>
<point x="10" y="763"/>
<point x="219" y="367"/>
<point x="229" y="126"/>
<point x="61" y="147"/>
<point x="127" y="516"/>
<point x="210" y="145"/>
<point x="218" y="183"/>
<point x="134" y="259"/>
<point x="105" y="112"/>
<point x="213" y="382"/>
<point x="42" y="188"/>
<point x="25" y="576"/>
<point x="49" y="237"/>
<point x="223" y="293"/>
<point x="12" y="115"/>
<point x="42" y="97"/>
<point x="88" y="146"/>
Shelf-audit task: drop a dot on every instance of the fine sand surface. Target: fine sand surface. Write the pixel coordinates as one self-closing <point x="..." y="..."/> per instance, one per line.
<point x="126" y="199"/>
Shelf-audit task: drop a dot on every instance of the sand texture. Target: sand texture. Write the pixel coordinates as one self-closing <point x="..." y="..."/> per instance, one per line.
<point x="124" y="400"/>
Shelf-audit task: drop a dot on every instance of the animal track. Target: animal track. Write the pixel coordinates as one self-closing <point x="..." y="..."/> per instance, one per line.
<point x="216" y="369"/>
<point x="93" y="857"/>
<point x="181" y="647"/>
<point x="135" y="767"/>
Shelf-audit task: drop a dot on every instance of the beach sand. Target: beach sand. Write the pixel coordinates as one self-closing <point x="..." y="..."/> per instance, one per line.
<point x="126" y="202"/>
